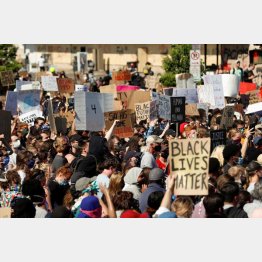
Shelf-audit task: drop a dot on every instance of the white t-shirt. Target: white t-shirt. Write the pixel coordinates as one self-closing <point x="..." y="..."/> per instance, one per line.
<point x="41" y="62"/>
<point x="103" y="179"/>
<point x="148" y="160"/>
<point x="12" y="159"/>
<point x="22" y="175"/>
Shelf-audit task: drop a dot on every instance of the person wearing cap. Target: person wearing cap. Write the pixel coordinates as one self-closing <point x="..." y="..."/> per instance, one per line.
<point x="170" y="134"/>
<point x="238" y="71"/>
<point x="156" y="183"/>
<point x="153" y="145"/>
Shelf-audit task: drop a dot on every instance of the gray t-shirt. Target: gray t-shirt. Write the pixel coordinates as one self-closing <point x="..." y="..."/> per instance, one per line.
<point x="148" y="160"/>
<point x="58" y="162"/>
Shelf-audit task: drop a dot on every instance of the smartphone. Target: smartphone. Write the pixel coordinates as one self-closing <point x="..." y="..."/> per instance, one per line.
<point x="252" y="125"/>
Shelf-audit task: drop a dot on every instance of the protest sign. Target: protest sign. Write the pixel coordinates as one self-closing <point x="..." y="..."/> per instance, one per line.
<point x="65" y="85"/>
<point x="108" y="102"/>
<point x="81" y="88"/>
<point x="254" y="96"/>
<point x="189" y="162"/>
<point x="125" y="88"/>
<point x="5" y="124"/>
<point x="35" y="85"/>
<point x="142" y="111"/>
<point x="5" y="212"/>
<point x="189" y="93"/>
<point x="109" y="89"/>
<point x="214" y="83"/>
<point x="121" y="76"/>
<point x="153" y="110"/>
<point x="230" y="85"/>
<point x="49" y="83"/>
<point x="151" y="82"/>
<point x="123" y="127"/>
<point x="51" y="117"/>
<point x="177" y="109"/>
<point x="154" y="96"/>
<point x="11" y="102"/>
<point x="61" y="125"/>
<point x="89" y="111"/>
<point x="30" y="117"/>
<point x="218" y="137"/>
<point x="254" y="108"/>
<point x="7" y="78"/>
<point x="227" y="119"/>
<point x="246" y="87"/>
<point x="168" y="91"/>
<point x="28" y="101"/>
<point x="184" y="80"/>
<point x="164" y="107"/>
<point x="38" y="75"/>
<point x="20" y="83"/>
<point x="191" y="110"/>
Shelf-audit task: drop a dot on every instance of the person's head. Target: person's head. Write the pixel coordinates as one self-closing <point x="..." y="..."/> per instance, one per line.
<point x="22" y="208"/>
<point x="156" y="175"/>
<point x="75" y="140"/>
<point x="213" y="204"/>
<point x="63" y="174"/>
<point x="110" y="165"/>
<point x="254" y="171"/>
<point x="230" y="192"/>
<point x="239" y="126"/>
<point x="123" y="200"/>
<point x="235" y="136"/>
<point x="153" y="144"/>
<point x="15" y="142"/>
<point x="238" y="173"/>
<point x="164" y="154"/>
<point x="170" y="134"/>
<point x="214" y="167"/>
<point x="223" y="179"/>
<point x="45" y="135"/>
<point x="244" y="197"/>
<point x="13" y="178"/>
<point x="237" y="65"/>
<point x="90" y="208"/>
<point x="39" y="121"/>
<point x="84" y="147"/>
<point x="154" y="201"/>
<point x="251" y="66"/>
<point x="61" y="145"/>
<point x="113" y="144"/>
<point x="116" y="183"/>
<point x="231" y="153"/>
<point x="183" y="206"/>
<point x="257" y="192"/>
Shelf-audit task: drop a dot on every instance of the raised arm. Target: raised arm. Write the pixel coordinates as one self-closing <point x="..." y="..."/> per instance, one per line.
<point x="111" y="130"/>
<point x="110" y="206"/>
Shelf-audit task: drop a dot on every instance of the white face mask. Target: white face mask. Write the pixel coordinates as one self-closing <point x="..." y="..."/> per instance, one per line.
<point x="16" y="144"/>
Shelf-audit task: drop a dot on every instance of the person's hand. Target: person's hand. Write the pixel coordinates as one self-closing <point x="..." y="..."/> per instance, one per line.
<point x="170" y="182"/>
<point x="144" y="188"/>
<point x="53" y="136"/>
<point x="103" y="189"/>
<point x="153" y="123"/>
<point x="73" y="113"/>
<point x="249" y="132"/>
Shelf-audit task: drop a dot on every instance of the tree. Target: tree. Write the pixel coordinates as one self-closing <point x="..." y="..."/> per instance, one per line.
<point x="177" y="62"/>
<point x="8" y="58"/>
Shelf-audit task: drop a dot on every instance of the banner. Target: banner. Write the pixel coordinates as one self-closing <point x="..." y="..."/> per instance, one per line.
<point x="142" y="111"/>
<point x="121" y="76"/>
<point x="28" y="101"/>
<point x="218" y="137"/>
<point x="11" y="102"/>
<point x="177" y="109"/>
<point x="7" y="78"/>
<point x="227" y="119"/>
<point x="89" y="111"/>
<point x="30" y="117"/>
<point x="230" y="85"/>
<point x="189" y="162"/>
<point x="195" y="65"/>
<point x="164" y="107"/>
<point x="49" y="83"/>
<point x="123" y="128"/>
<point x="5" y="124"/>
<point x="65" y="85"/>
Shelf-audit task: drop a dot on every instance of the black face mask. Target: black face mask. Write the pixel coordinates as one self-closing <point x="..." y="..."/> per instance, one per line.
<point x="157" y="148"/>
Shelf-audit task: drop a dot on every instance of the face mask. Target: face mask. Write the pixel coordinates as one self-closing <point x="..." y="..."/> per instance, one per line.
<point x="157" y="148"/>
<point x="31" y="163"/>
<point x="16" y="144"/>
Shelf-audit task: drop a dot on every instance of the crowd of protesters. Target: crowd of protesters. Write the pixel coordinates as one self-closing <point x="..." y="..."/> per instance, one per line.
<point x="81" y="174"/>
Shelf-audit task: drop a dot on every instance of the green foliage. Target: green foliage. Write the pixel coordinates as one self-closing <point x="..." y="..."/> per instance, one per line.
<point x="8" y="58"/>
<point x="177" y="62"/>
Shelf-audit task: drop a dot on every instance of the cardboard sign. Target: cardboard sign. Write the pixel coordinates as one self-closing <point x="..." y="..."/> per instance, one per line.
<point x="123" y="128"/>
<point x="218" y="137"/>
<point x="51" y="117"/>
<point x="109" y="89"/>
<point x="65" y="85"/>
<point x="28" y="101"/>
<point x="11" y="102"/>
<point x="89" y="111"/>
<point x="49" y="83"/>
<point x="230" y="85"/>
<point x="153" y="110"/>
<point x="177" y="109"/>
<point x="81" y="88"/>
<point x="154" y="96"/>
<point x="254" y="96"/>
<point x="227" y="119"/>
<point x="108" y="102"/>
<point x="254" y="108"/>
<point x="38" y="75"/>
<point x="189" y="93"/>
<point x="151" y="82"/>
<point x="5" y="124"/>
<point x="5" y="212"/>
<point x="164" y="107"/>
<point x="142" y="111"/>
<point x="125" y="88"/>
<point x="61" y="125"/>
<point x="121" y="76"/>
<point x="30" y="117"/>
<point x="191" y="110"/>
<point x="246" y="87"/>
<point x="184" y="80"/>
<point x="7" y="78"/>
<point x="189" y="162"/>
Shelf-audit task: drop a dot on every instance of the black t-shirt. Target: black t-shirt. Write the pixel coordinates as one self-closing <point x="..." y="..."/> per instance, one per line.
<point x="235" y="212"/>
<point x="57" y="192"/>
<point x="247" y="74"/>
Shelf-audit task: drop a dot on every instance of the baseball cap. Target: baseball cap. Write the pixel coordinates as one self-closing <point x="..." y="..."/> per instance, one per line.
<point x="154" y="139"/>
<point x="170" y="132"/>
<point x="82" y="183"/>
<point x="156" y="174"/>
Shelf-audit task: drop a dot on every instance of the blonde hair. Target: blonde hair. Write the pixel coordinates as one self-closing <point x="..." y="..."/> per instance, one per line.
<point x="183" y="206"/>
<point x="116" y="183"/>
<point x="218" y="154"/>
<point x="232" y="132"/>
<point x="237" y="172"/>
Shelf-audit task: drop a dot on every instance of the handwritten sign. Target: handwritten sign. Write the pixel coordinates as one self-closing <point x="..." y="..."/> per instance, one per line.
<point x="121" y="76"/>
<point x="49" y="83"/>
<point x="153" y="110"/>
<point x="32" y="86"/>
<point x="227" y="119"/>
<point x="28" y="101"/>
<point x="191" y="110"/>
<point x="89" y="111"/>
<point x="108" y="102"/>
<point x="5" y="124"/>
<point x="7" y="78"/>
<point x="142" y="111"/>
<point x="164" y="107"/>
<point x="65" y="85"/>
<point x="189" y="162"/>
<point x="30" y="117"/>
<point x="218" y="137"/>
<point x="254" y="96"/>
<point x="184" y="80"/>
<point x="123" y="128"/>
<point x="189" y="93"/>
<point x="11" y="102"/>
<point x="151" y="82"/>
<point x="81" y="88"/>
<point x="177" y="109"/>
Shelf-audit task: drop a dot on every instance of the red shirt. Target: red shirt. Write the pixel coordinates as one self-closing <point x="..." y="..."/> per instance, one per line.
<point x="160" y="164"/>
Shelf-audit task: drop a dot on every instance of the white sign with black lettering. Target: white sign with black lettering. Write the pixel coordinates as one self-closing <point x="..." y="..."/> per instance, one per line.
<point x="49" y="83"/>
<point x="30" y="117"/>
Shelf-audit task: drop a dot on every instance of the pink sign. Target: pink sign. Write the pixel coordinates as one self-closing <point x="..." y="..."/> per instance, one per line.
<point x="126" y="88"/>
